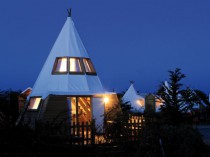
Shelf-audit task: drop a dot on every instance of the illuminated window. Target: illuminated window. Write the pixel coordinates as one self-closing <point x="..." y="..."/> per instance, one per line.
<point x="34" y="103"/>
<point x="75" y="65"/>
<point x="60" y="65"/>
<point x="80" y="109"/>
<point x="89" y="66"/>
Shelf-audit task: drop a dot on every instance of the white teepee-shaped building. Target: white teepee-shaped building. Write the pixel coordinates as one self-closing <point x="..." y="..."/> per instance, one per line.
<point x="141" y="103"/>
<point x="68" y="68"/>
<point x="137" y="101"/>
<point x="68" y="87"/>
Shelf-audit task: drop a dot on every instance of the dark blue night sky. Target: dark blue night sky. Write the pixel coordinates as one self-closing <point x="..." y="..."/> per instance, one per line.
<point x="127" y="40"/>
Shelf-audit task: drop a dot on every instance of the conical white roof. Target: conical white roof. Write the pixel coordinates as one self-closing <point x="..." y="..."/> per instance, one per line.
<point x="136" y="101"/>
<point x="68" y="44"/>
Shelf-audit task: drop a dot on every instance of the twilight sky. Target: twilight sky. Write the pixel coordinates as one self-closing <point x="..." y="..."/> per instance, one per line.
<point x="127" y="40"/>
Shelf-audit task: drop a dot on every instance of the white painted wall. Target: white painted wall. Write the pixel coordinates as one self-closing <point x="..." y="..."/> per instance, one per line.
<point x="98" y="113"/>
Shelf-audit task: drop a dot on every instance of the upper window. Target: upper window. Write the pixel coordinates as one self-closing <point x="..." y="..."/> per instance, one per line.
<point x="60" y="65"/>
<point x="75" y="65"/>
<point x="34" y="103"/>
<point x="89" y="69"/>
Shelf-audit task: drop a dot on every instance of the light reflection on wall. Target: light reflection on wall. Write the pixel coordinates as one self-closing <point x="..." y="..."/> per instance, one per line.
<point x="140" y="102"/>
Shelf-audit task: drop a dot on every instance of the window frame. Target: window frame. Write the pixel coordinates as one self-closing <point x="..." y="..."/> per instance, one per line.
<point x="38" y="104"/>
<point x="56" y="63"/>
<point x="81" y="64"/>
<point x="77" y="106"/>
<point x="89" y="61"/>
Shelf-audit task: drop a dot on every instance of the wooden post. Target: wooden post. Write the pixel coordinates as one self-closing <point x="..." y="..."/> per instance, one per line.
<point x="78" y="130"/>
<point x="83" y="132"/>
<point x="87" y="129"/>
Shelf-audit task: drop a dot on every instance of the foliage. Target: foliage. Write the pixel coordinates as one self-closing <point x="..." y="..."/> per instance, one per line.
<point x="148" y="145"/>
<point x="22" y="141"/>
<point x="177" y="100"/>
<point x="9" y="104"/>
<point x="182" y="141"/>
<point x="115" y="130"/>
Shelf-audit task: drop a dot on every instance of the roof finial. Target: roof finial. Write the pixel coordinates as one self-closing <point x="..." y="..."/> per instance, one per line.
<point x="132" y="82"/>
<point x="69" y="12"/>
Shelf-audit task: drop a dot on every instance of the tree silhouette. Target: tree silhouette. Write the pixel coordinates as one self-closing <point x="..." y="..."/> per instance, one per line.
<point x="178" y="100"/>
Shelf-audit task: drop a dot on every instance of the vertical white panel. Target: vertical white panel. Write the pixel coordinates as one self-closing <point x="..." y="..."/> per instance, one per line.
<point x="98" y="113"/>
<point x="209" y="97"/>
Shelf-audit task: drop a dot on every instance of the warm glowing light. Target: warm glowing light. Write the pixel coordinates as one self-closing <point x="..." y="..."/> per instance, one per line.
<point x="106" y="100"/>
<point x="75" y="65"/>
<point x="61" y="65"/>
<point x="34" y="103"/>
<point x="73" y="106"/>
<point x="88" y="66"/>
<point x="72" y="64"/>
<point x="140" y="102"/>
<point x="159" y="102"/>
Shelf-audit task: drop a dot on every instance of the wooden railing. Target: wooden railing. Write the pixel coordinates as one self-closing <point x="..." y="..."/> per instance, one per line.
<point x="82" y="133"/>
<point x="135" y="126"/>
<point x="125" y="131"/>
<point x="86" y="133"/>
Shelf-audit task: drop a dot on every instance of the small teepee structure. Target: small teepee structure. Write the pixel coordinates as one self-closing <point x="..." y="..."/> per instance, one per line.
<point x="141" y="103"/>
<point x="136" y="100"/>
<point x="68" y="89"/>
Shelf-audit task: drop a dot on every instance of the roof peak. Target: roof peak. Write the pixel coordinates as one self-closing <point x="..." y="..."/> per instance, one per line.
<point x="132" y="81"/>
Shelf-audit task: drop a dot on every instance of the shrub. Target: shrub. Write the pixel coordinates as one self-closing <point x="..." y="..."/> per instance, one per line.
<point x="183" y="141"/>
